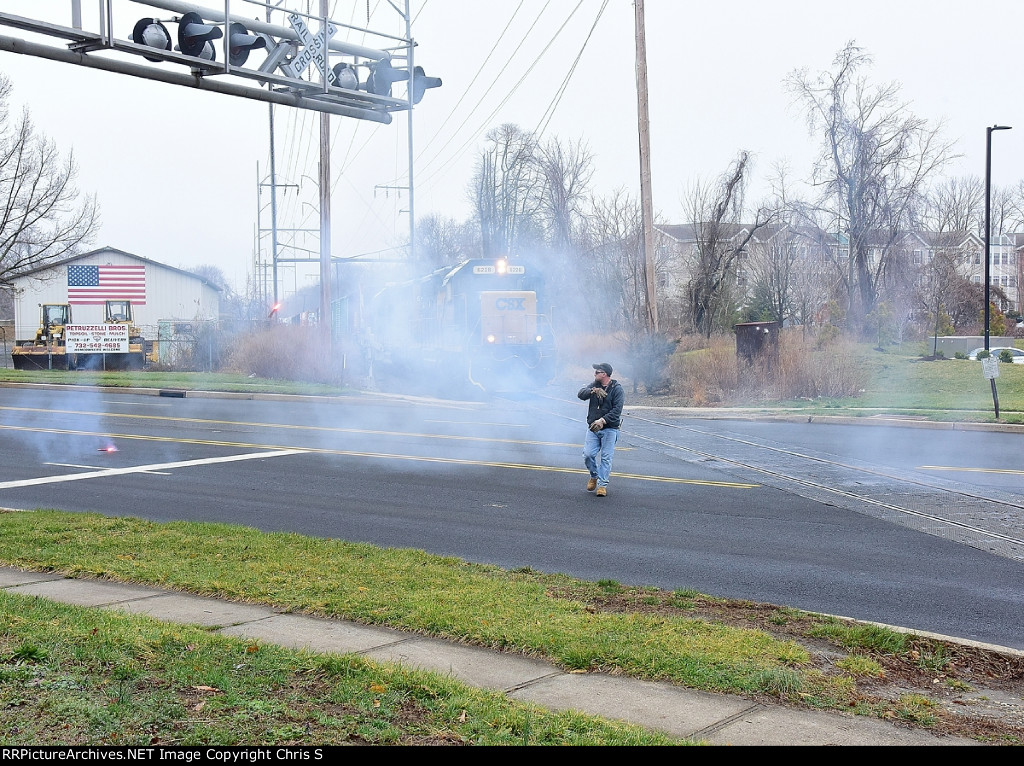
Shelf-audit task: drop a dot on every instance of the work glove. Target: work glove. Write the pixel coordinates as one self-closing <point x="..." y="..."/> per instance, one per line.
<point x="597" y="425"/>
<point x="599" y="392"/>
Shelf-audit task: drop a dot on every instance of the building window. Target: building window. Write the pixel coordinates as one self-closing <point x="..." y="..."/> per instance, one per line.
<point x="977" y="280"/>
<point x="917" y="257"/>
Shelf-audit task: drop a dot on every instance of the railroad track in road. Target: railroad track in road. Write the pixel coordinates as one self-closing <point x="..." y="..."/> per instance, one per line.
<point x="992" y="522"/>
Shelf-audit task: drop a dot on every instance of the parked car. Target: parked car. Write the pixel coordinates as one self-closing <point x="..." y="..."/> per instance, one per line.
<point x="1016" y="353"/>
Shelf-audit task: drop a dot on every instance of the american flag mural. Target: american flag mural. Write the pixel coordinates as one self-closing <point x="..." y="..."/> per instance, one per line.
<point x="93" y="285"/>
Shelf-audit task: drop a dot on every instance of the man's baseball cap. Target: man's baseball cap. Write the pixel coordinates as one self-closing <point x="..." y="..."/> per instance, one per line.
<point x="604" y="367"/>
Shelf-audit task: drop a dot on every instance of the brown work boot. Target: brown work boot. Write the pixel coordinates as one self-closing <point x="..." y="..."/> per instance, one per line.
<point x="601" y="492"/>
<point x="591" y="485"/>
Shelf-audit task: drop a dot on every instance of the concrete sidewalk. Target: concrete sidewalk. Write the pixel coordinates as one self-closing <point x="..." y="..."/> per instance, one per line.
<point x="716" y="719"/>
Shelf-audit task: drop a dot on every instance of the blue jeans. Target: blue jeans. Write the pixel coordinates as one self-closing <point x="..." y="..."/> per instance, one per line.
<point x="601" y="443"/>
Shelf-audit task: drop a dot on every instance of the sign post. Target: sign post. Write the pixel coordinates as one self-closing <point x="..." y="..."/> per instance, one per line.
<point x="990" y="366"/>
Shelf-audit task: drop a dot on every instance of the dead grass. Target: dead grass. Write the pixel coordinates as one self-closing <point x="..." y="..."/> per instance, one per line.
<point x="709" y="373"/>
<point x="285" y="352"/>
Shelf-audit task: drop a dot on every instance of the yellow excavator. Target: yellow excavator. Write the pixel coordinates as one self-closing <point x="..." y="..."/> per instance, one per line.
<point x="48" y="350"/>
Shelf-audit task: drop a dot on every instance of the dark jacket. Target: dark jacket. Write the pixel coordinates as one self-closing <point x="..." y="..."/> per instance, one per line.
<point x="610" y="408"/>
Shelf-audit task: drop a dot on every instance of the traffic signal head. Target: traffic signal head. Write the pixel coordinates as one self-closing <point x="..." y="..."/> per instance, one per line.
<point x="345" y="77"/>
<point x="152" y="33"/>
<point x="241" y="42"/>
<point x="195" y="35"/>
<point x="382" y="76"/>
<point x="420" y="83"/>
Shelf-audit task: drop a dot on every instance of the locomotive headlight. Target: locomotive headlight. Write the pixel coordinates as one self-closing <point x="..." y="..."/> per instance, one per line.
<point x="540" y="338"/>
<point x="502" y="266"/>
<point x="491" y="339"/>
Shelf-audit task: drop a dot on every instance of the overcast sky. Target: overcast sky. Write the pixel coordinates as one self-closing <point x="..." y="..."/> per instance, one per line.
<point x="177" y="172"/>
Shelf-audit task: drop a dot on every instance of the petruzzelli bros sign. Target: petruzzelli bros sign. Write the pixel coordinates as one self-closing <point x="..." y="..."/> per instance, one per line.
<point x="96" y="338"/>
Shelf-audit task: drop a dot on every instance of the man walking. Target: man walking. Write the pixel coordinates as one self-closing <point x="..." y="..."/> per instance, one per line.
<point x="604" y="416"/>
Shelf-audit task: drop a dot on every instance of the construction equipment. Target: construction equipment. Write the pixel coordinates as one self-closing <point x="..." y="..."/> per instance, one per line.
<point x="120" y="312"/>
<point x="48" y="350"/>
<point x="117" y="312"/>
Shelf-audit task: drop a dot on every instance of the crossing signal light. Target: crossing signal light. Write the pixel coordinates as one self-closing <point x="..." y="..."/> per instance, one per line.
<point x="382" y="76"/>
<point x="195" y="36"/>
<point x="240" y="43"/>
<point x="345" y="76"/>
<point x="420" y="83"/>
<point x="152" y="33"/>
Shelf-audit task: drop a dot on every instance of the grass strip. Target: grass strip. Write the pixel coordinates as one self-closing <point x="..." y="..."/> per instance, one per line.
<point x="515" y="611"/>
<point x="76" y="676"/>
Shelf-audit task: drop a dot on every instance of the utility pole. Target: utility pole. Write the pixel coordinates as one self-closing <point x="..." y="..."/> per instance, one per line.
<point x="273" y="204"/>
<point x="646" y="204"/>
<point x="325" y="199"/>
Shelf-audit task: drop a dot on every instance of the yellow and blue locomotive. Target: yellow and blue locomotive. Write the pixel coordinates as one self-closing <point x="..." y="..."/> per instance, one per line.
<point x="483" y="321"/>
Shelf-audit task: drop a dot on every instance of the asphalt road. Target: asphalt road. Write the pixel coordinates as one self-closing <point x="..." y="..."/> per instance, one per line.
<point x="910" y="527"/>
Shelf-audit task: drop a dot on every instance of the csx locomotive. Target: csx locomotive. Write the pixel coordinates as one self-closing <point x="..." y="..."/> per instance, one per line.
<point x="484" y="321"/>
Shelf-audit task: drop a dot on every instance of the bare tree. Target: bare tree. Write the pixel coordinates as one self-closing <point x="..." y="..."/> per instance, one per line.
<point x="940" y="279"/>
<point x="1016" y="217"/>
<point x="717" y="210"/>
<point x="613" y="284"/>
<point x="955" y="205"/>
<point x="41" y="218"/>
<point x="444" y="241"/>
<point x="1003" y="212"/>
<point x="506" y="191"/>
<point x="613" y="265"/>
<point x="566" y="170"/>
<point x="775" y="263"/>
<point x="876" y="159"/>
<point x="210" y="273"/>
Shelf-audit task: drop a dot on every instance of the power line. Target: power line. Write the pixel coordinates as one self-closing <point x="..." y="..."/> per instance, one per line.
<point x="494" y="49"/>
<point x="546" y="118"/>
<point x="488" y="90"/>
<point x="511" y="92"/>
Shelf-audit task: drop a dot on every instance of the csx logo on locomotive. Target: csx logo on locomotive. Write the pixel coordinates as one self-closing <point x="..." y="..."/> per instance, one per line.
<point x="510" y="304"/>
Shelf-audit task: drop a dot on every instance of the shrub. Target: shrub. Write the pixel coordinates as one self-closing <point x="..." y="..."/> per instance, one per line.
<point x="984" y="354"/>
<point x="1005" y="356"/>
<point x="805" y="367"/>
<point x="285" y="352"/>
<point x="649" y="357"/>
<point x="959" y="355"/>
<point x="705" y="374"/>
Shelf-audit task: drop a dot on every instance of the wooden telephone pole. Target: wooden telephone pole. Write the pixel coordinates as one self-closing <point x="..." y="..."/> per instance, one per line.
<point x="647" y="206"/>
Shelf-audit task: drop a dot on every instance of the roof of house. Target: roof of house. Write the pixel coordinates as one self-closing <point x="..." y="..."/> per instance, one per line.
<point x="72" y="259"/>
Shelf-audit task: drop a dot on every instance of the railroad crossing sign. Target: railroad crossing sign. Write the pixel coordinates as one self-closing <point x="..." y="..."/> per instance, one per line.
<point x="313" y="50"/>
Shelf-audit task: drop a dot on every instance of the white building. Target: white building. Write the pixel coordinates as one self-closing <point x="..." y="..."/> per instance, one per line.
<point x="166" y="301"/>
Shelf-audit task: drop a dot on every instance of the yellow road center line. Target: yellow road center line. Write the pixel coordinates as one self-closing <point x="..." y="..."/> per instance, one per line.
<point x="327" y="429"/>
<point x="970" y="470"/>
<point x="377" y="455"/>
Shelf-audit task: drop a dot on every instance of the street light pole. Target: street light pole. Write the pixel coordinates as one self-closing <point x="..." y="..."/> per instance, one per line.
<point x="988" y="221"/>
